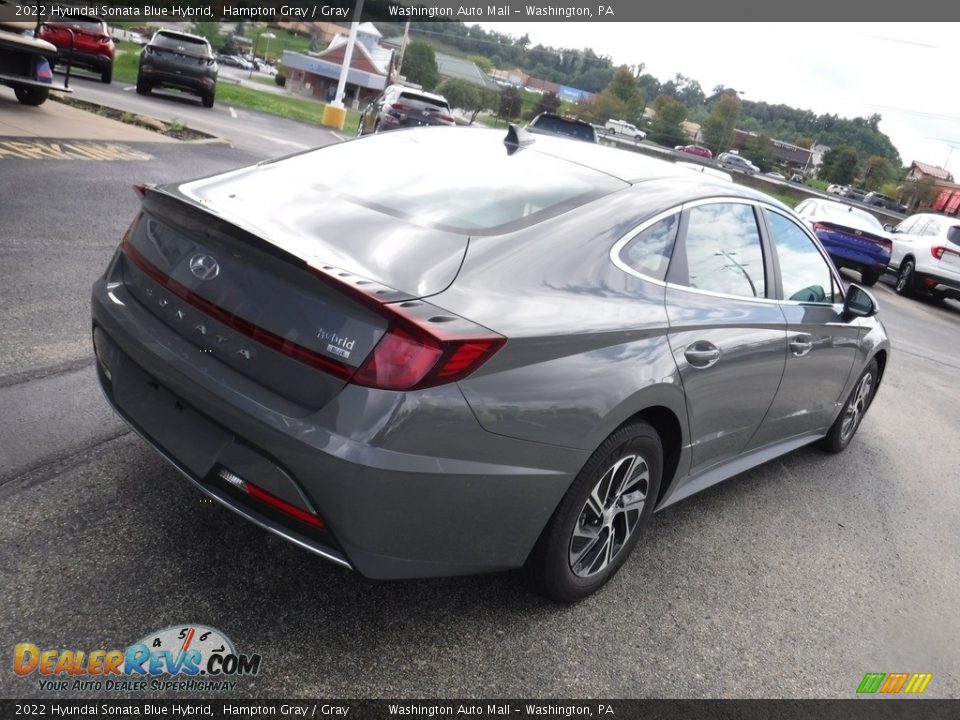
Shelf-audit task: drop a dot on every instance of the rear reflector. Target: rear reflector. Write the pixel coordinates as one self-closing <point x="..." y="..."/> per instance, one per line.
<point x="258" y="493"/>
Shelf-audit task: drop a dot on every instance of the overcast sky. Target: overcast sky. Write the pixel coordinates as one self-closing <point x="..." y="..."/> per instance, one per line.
<point x="907" y="72"/>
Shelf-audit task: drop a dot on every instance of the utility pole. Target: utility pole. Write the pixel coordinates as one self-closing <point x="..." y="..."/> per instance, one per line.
<point x="403" y="48"/>
<point x="335" y="114"/>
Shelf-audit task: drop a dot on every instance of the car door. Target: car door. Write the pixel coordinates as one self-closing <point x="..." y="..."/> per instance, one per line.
<point x="904" y="237"/>
<point x="727" y="332"/>
<point x="821" y="344"/>
<point x="372" y="112"/>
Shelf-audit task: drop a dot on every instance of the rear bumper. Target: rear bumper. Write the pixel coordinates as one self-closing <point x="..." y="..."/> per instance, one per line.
<point x="938" y="284"/>
<point x="197" y="84"/>
<point x="407" y="484"/>
<point x="81" y="58"/>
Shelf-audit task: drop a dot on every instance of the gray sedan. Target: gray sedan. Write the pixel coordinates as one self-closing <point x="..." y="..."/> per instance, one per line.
<point x="512" y="357"/>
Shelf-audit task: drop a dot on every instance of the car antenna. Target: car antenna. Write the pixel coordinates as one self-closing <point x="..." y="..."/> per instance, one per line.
<point x="517" y="138"/>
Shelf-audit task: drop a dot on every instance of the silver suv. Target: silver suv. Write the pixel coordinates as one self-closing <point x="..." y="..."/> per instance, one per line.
<point x="926" y="255"/>
<point x="732" y="161"/>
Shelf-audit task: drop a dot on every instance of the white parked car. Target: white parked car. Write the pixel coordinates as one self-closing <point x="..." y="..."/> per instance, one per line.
<point x="733" y="161"/>
<point x="926" y="255"/>
<point x="621" y="127"/>
<point x="837" y="190"/>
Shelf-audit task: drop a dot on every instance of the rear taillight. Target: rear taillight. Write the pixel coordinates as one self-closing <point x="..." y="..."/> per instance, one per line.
<point x="820" y="227"/>
<point x="446" y="118"/>
<point x="937" y="252"/>
<point x="415" y="353"/>
<point x="401" y="361"/>
<point x="400" y="107"/>
<point x="886" y="244"/>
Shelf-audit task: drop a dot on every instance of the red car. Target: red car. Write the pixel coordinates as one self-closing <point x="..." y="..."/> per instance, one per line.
<point x="90" y="46"/>
<point x="695" y="150"/>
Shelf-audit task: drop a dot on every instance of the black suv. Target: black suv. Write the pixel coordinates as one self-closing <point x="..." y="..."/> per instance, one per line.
<point x="178" y="60"/>
<point x="550" y="124"/>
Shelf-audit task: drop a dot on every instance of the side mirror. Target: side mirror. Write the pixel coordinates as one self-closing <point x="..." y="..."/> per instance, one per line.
<point x="859" y="303"/>
<point x="890" y="228"/>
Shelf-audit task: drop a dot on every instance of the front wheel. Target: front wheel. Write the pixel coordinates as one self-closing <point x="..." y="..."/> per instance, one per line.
<point x="905" y="279"/>
<point x="846" y="424"/>
<point x="208" y="99"/>
<point x="143" y="88"/>
<point x="601" y="517"/>
<point x="31" y="95"/>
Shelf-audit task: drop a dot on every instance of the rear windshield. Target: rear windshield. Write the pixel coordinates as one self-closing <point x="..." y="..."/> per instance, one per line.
<point x="181" y="43"/>
<point x="953" y="235"/>
<point x="448" y="181"/>
<point x="838" y="211"/>
<point x="84" y="23"/>
<point x="564" y="127"/>
<point x="423" y="99"/>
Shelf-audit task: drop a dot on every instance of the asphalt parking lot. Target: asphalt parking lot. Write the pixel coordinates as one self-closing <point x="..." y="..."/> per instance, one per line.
<point x="792" y="580"/>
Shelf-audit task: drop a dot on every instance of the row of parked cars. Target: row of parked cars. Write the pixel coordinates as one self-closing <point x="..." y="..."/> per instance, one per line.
<point x="868" y="198"/>
<point x="922" y="252"/>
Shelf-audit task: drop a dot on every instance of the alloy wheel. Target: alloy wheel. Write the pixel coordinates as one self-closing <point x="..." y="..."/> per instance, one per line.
<point x="610" y="516"/>
<point x="853" y="413"/>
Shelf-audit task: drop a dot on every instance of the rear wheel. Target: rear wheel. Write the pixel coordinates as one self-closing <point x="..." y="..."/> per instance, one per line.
<point x="846" y="424"/>
<point x="905" y="278"/>
<point x="601" y="517"/>
<point x="31" y="95"/>
<point x="208" y="99"/>
<point x="106" y="76"/>
<point x="869" y="277"/>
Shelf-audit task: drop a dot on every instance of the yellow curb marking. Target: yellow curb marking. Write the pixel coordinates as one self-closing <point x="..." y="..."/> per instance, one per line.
<point x="36" y="150"/>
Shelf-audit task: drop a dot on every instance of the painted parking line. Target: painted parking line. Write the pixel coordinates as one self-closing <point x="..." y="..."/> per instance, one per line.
<point x="280" y="141"/>
<point x="76" y="150"/>
<point x="128" y="88"/>
<point x="233" y="113"/>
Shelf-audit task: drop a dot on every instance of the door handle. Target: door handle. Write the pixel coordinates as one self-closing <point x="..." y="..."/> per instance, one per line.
<point x="801" y="345"/>
<point x="702" y="354"/>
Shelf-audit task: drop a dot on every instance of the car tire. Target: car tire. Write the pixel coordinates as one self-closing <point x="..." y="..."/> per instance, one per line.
<point x="106" y="76"/>
<point x="593" y="531"/>
<point x="376" y="127"/>
<point x="208" y="99"/>
<point x="32" y="96"/>
<point x="142" y="87"/>
<point x="904" y="284"/>
<point x="869" y="277"/>
<point x="856" y="406"/>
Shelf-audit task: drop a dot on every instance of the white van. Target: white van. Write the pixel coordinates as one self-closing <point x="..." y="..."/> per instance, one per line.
<point x="624" y="128"/>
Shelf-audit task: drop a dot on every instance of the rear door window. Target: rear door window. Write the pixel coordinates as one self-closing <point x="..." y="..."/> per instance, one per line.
<point x="723" y="250"/>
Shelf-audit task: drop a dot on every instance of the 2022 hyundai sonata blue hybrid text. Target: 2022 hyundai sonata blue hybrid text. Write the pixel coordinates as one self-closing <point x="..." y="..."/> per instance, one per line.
<point x="509" y="357"/>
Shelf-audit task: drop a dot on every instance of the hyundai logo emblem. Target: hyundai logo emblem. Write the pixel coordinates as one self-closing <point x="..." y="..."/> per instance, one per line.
<point x="204" y="267"/>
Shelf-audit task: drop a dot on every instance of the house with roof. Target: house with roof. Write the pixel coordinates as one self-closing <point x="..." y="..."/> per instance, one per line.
<point x="317" y="74"/>
<point x="923" y="171"/>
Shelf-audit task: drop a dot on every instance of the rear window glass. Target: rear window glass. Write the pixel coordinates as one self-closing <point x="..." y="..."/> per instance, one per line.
<point x="182" y="43"/>
<point x="437" y="178"/>
<point x="85" y="23"/>
<point x="649" y="251"/>
<point x="953" y="235"/>
<point x="423" y="99"/>
<point x="564" y="127"/>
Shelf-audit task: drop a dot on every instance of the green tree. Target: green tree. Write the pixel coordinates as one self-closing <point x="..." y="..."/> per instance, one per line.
<point x="758" y="150"/>
<point x="721" y="122"/>
<point x="209" y="30"/>
<point x="877" y="172"/>
<point x="666" y="128"/>
<point x="482" y="62"/>
<point x="467" y="96"/>
<point x="548" y="103"/>
<point x="604" y="107"/>
<point x="839" y="165"/>
<point x="420" y="64"/>
<point x="623" y="86"/>
<point x="510" y="103"/>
